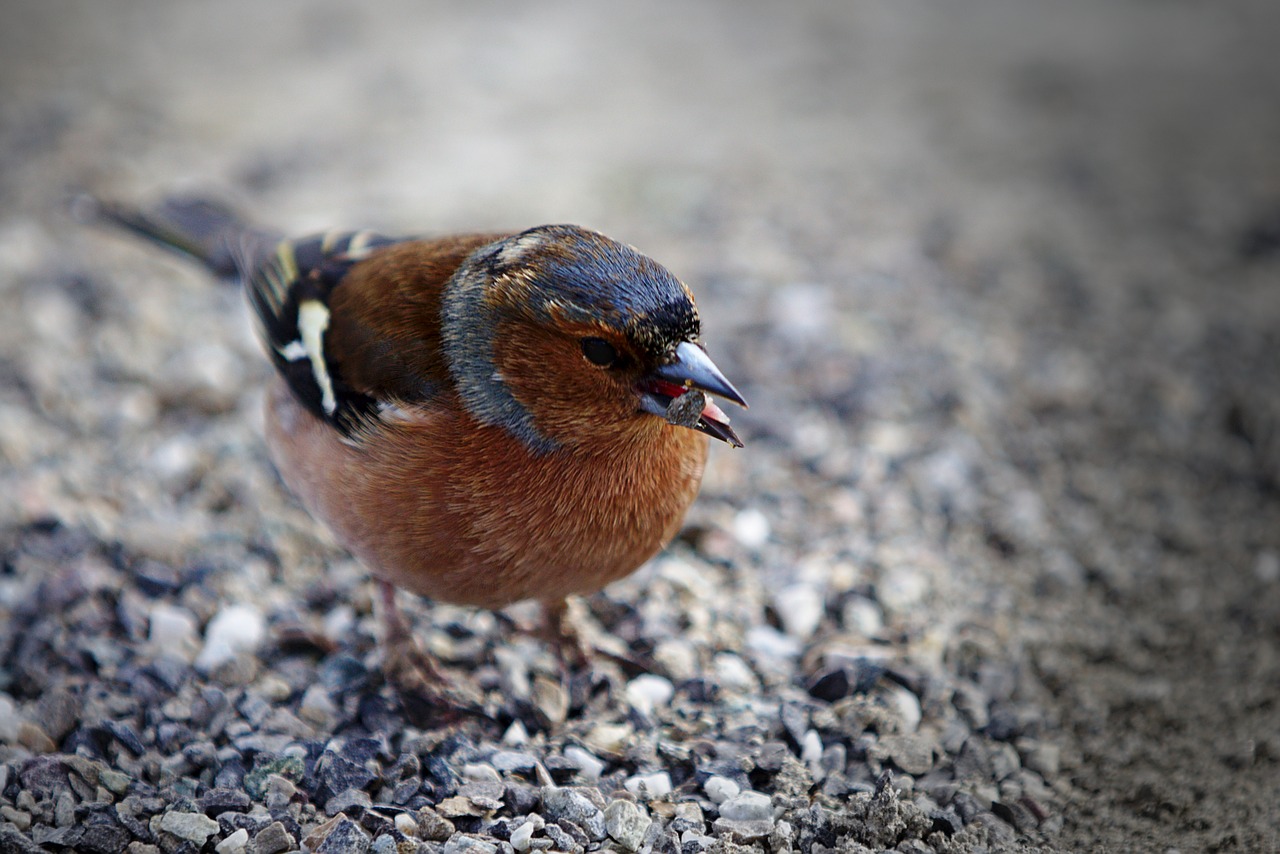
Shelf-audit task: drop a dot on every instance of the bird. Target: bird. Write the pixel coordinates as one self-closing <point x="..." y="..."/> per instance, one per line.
<point x="480" y="418"/>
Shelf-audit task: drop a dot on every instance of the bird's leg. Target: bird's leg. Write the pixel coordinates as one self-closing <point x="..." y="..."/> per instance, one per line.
<point x="563" y="633"/>
<point x="424" y="689"/>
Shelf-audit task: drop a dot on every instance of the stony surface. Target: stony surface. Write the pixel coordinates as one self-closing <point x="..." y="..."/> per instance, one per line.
<point x="997" y="570"/>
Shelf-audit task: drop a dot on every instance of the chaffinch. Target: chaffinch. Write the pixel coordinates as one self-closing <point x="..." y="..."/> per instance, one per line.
<point x="480" y="419"/>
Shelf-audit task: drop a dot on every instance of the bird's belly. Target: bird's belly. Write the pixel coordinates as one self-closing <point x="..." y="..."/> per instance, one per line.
<point x="477" y="520"/>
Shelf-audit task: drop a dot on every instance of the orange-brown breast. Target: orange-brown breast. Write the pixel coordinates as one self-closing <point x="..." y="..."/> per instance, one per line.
<point x="464" y="513"/>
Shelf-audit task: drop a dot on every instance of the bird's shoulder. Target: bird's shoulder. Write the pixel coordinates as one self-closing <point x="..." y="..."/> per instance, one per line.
<point x="351" y="320"/>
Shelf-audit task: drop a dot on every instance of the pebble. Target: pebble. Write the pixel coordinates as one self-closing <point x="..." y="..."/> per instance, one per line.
<point x="677" y="657"/>
<point x="860" y="614"/>
<point x="522" y="836"/>
<point x="587" y="763"/>
<point x="235" y="843"/>
<point x="720" y="789"/>
<point x="649" y="786"/>
<point x="768" y="642"/>
<point x="734" y="674"/>
<point x="174" y="630"/>
<point x="626" y="822"/>
<point x="191" y="826"/>
<point x="341" y="836"/>
<point x="516" y="735"/>
<point x="233" y="630"/>
<point x="751" y="528"/>
<point x="906" y="706"/>
<point x="273" y="839"/>
<point x="575" y="805"/>
<point x="747" y="806"/>
<point x="10" y="720"/>
<point x="648" y="692"/>
<point x="800" y="609"/>
<point x="465" y="843"/>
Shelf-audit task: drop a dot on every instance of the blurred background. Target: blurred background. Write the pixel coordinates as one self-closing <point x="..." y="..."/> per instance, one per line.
<point x="1001" y="281"/>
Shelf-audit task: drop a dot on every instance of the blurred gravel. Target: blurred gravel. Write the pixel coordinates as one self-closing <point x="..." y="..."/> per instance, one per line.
<point x="997" y="569"/>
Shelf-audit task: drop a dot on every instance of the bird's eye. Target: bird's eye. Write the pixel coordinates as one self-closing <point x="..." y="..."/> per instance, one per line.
<point x="599" y="352"/>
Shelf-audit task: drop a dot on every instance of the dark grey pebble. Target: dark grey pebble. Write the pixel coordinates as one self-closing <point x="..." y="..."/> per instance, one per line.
<point x="345" y="837"/>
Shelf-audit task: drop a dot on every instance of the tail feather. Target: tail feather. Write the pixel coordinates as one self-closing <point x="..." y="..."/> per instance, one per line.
<point x="200" y="229"/>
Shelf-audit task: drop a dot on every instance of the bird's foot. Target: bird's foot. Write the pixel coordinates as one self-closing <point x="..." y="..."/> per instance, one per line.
<point x="426" y="692"/>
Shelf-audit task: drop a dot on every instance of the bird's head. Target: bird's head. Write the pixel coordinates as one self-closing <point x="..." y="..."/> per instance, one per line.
<point x="565" y="337"/>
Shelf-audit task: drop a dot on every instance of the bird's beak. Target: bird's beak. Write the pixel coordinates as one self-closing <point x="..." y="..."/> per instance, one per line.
<point x="675" y="392"/>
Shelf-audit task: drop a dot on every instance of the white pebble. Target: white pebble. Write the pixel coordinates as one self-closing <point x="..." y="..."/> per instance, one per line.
<point x="233" y="630"/>
<point x="678" y="658"/>
<point x="751" y="528"/>
<point x="800" y="608"/>
<point x="649" y="691"/>
<point x="747" y="806"/>
<point x="811" y="753"/>
<point x="1267" y="567"/>
<point x="733" y="673"/>
<point x="10" y="720"/>
<point x="907" y="705"/>
<point x="645" y="786"/>
<point x="516" y="735"/>
<point x="521" y="836"/>
<point x="406" y="825"/>
<point x="174" y="630"/>
<point x="720" y="789"/>
<point x="587" y="763"/>
<point x="902" y="587"/>
<point x="768" y="642"/>
<point x="863" y="616"/>
<point x="233" y="844"/>
<point x="340" y="622"/>
<point x="481" y="772"/>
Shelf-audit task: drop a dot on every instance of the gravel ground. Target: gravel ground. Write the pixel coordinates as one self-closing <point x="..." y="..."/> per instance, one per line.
<point x="997" y="570"/>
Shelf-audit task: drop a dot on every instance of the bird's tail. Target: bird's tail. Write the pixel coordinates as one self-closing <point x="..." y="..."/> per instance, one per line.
<point x="205" y="231"/>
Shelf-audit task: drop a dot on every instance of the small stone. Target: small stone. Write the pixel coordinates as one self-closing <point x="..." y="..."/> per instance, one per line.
<point x="432" y="826"/>
<point x="649" y="691"/>
<point x="465" y="843"/>
<point x="609" y="739"/>
<point x="58" y="712"/>
<point x="317" y="707"/>
<point x="627" y="823"/>
<point x="720" y="789"/>
<point x="734" y="674"/>
<point x="863" y="616"/>
<point x="1043" y="758"/>
<point x="907" y="707"/>
<point x="550" y="701"/>
<point x="800" y="609"/>
<point x="747" y="806"/>
<point x="688" y="817"/>
<point x="522" y="836"/>
<point x="678" y="658"/>
<point x="514" y="761"/>
<point x="10" y="720"/>
<point x="912" y="753"/>
<point x="353" y="801"/>
<point x="768" y="642"/>
<point x="574" y="805"/>
<point x="516" y="735"/>
<point x="18" y="818"/>
<point x="751" y="528"/>
<point x="341" y="836"/>
<point x="588" y="765"/>
<point x="742" y="832"/>
<point x="174" y="630"/>
<point x="235" y="843"/>
<point x="191" y="826"/>
<point x="649" y="786"/>
<point x="220" y="799"/>
<point x="35" y="739"/>
<point x="236" y="629"/>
